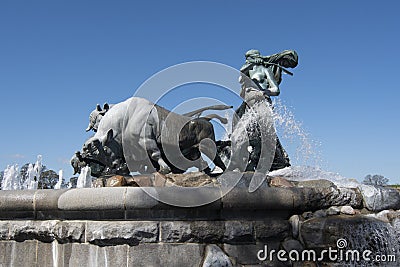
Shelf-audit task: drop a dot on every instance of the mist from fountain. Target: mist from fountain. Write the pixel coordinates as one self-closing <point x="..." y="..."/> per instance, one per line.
<point x="11" y="178"/>
<point x="84" y="178"/>
<point x="31" y="175"/>
<point x="292" y="132"/>
<point x="308" y="162"/>
<point x="60" y="179"/>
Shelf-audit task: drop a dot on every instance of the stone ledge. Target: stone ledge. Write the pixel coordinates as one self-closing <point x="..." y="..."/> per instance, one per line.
<point x="106" y="198"/>
<point x="134" y="203"/>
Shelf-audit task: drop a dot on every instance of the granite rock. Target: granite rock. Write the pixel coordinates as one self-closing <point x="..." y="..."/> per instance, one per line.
<point x="214" y="256"/>
<point x="378" y="198"/>
<point x="347" y="210"/>
<point x="280" y="182"/>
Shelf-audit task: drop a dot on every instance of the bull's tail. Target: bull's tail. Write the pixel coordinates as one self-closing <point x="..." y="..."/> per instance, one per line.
<point x="197" y="112"/>
<point x="215" y="116"/>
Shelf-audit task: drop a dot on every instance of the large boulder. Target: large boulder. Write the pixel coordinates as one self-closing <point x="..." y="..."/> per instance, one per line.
<point x="377" y="198"/>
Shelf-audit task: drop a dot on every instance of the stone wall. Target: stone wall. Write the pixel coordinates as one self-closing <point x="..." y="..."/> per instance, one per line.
<point x="126" y="227"/>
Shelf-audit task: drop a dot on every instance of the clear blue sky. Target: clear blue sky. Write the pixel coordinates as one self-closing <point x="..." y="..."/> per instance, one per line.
<point x="59" y="58"/>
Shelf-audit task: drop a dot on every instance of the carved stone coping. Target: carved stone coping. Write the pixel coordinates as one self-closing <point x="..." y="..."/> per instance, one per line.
<point x="133" y="203"/>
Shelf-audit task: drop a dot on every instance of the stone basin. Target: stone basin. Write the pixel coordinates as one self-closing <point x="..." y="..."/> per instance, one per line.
<point x="124" y="226"/>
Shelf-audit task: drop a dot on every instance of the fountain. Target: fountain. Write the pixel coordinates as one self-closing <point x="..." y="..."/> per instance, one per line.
<point x="14" y="181"/>
<point x="163" y="217"/>
<point x="60" y="180"/>
<point x="85" y="178"/>
<point x="11" y="179"/>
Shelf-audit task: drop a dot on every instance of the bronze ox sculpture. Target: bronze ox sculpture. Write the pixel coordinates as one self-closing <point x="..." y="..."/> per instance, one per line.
<point x="133" y="135"/>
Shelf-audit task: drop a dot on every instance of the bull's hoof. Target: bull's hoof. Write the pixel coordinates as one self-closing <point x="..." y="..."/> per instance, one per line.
<point x="207" y="170"/>
<point x="164" y="170"/>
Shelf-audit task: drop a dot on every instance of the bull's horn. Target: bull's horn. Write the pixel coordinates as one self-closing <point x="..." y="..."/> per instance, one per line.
<point x="90" y="127"/>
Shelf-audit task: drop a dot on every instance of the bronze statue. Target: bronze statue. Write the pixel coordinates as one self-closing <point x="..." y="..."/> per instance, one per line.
<point x="261" y="77"/>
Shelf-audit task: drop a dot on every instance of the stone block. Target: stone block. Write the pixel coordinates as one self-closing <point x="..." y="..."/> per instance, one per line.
<point x="121" y="232"/>
<point x="113" y="255"/>
<point x="18" y="254"/>
<point x="96" y="256"/>
<point x="208" y="231"/>
<point x="190" y="197"/>
<point x="238" y="232"/>
<point x="70" y="231"/>
<point x="47" y="254"/>
<point x="16" y="200"/>
<point x="5" y="252"/>
<point x="270" y="198"/>
<point x="80" y="255"/>
<point x="4" y="230"/>
<point x="247" y="254"/>
<point x="86" y="199"/>
<point x="147" y="254"/>
<point x="194" y="231"/>
<point x="272" y="229"/>
<point x="141" y="198"/>
<point x="46" y="199"/>
<point x="174" y="203"/>
<point x="46" y="231"/>
<point x="30" y="230"/>
<point x="176" y="232"/>
<point x="62" y="253"/>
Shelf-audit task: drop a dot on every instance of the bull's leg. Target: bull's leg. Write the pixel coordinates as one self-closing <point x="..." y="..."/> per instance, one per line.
<point x="156" y="156"/>
<point x="153" y="150"/>
<point x="203" y="165"/>
<point x="210" y="151"/>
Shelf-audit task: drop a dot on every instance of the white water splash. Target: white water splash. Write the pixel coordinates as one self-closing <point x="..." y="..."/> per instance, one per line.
<point x="306" y="173"/>
<point x="85" y="178"/>
<point x="60" y="178"/>
<point x="11" y="178"/>
<point x="31" y="180"/>
<point x="291" y="132"/>
<point x="38" y="166"/>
